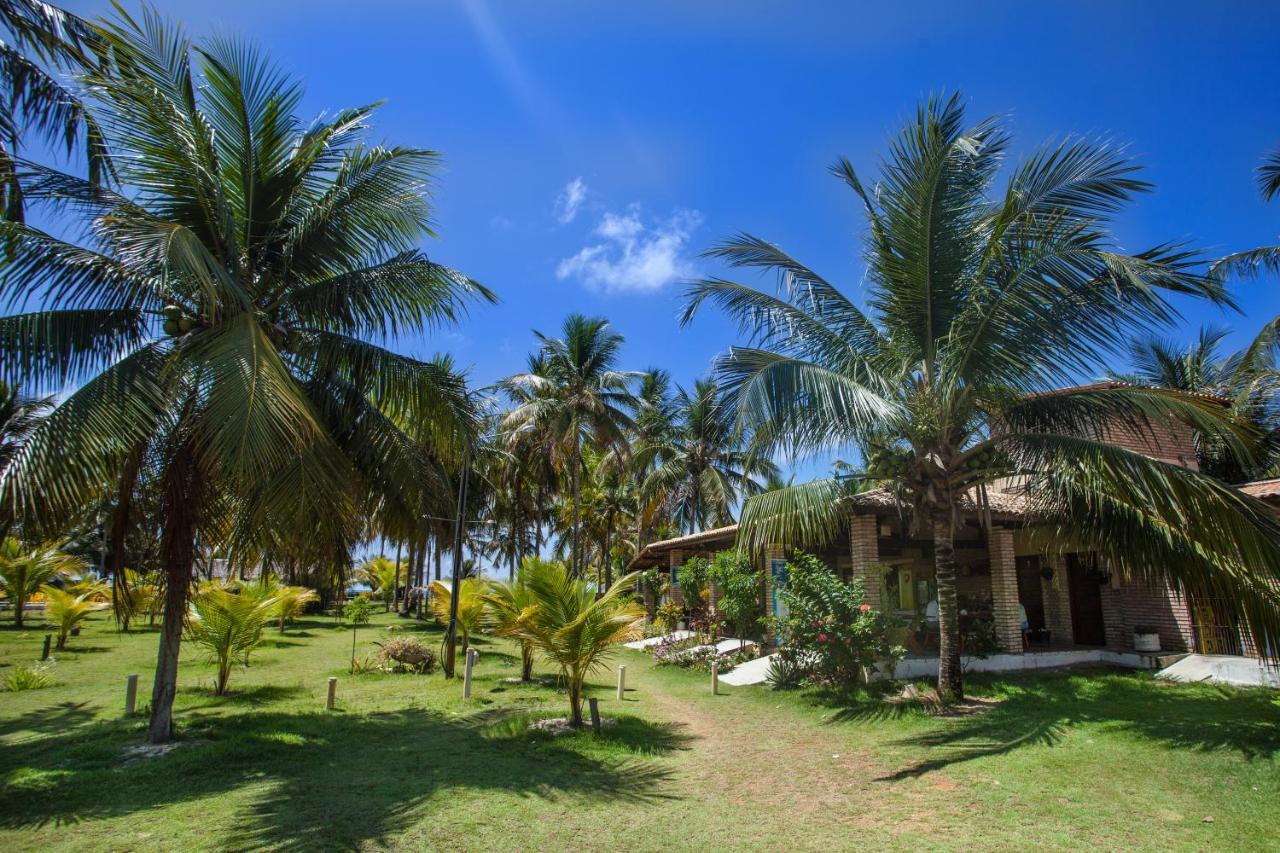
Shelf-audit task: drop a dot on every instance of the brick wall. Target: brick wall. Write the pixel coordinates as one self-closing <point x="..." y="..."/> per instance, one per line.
<point x="771" y="553"/>
<point x="1168" y="443"/>
<point x="864" y="553"/>
<point x="1057" y="601"/>
<point x="1157" y="605"/>
<point x="1114" y="622"/>
<point x="1004" y="590"/>
<point x="675" y="559"/>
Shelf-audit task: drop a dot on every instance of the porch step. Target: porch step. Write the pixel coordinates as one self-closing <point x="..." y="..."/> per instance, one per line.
<point x="1164" y="659"/>
<point x="1223" y="669"/>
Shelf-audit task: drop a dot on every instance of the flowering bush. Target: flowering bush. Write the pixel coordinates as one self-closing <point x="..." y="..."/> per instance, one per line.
<point x="669" y="615"/>
<point x="831" y="627"/>
<point x="669" y="651"/>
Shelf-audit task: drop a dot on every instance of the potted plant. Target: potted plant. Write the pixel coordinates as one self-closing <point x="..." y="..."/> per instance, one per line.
<point x="1146" y="639"/>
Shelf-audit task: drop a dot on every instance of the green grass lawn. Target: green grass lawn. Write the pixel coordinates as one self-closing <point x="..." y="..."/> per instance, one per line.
<point x="1080" y="760"/>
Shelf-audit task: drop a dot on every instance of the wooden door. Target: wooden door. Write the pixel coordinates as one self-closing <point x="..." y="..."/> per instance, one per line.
<point x="1086" y="603"/>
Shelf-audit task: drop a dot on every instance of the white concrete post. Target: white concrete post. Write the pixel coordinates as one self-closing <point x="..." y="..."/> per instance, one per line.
<point x="333" y="693"/>
<point x="130" y="695"/>
<point x="715" y="677"/>
<point x="622" y="681"/>
<point x="472" y="654"/>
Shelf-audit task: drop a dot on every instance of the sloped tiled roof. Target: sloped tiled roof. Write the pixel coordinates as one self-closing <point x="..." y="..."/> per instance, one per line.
<point x="1000" y="503"/>
<point x="1105" y="384"/>
<point x="1261" y="489"/>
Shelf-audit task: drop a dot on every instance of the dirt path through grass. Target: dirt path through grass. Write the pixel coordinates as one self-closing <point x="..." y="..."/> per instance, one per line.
<point x="752" y="764"/>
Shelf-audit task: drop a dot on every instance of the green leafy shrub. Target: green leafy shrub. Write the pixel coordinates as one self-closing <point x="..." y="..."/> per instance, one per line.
<point x="32" y="677"/>
<point x="358" y="611"/>
<point x="831" y="626"/>
<point x="741" y="590"/>
<point x="694" y="576"/>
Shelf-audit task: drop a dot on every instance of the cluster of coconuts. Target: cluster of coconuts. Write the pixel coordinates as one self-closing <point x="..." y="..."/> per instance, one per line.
<point x="889" y="464"/>
<point x="175" y="322"/>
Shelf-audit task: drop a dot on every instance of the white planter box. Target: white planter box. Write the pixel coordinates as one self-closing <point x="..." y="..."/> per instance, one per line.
<point x="1146" y="642"/>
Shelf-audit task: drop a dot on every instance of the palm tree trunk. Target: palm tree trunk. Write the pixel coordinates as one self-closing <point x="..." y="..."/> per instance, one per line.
<point x="408" y="576"/>
<point x="537" y="511"/>
<point x="422" y="579"/>
<point x="950" y="675"/>
<point x="19" y="602"/>
<point x="395" y="587"/>
<point x="182" y="499"/>
<point x="439" y="557"/>
<point x="574" y="568"/>
<point x="115" y="544"/>
<point x="608" y="546"/>
<point x="575" y="700"/>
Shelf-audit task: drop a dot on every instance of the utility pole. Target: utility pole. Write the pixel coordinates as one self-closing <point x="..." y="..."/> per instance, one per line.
<point x="451" y="632"/>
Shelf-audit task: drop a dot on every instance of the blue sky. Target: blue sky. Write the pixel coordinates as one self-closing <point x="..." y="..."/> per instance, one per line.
<point x="594" y="149"/>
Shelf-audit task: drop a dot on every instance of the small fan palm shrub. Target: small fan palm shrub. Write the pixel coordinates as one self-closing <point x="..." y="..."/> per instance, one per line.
<point x="473" y="606"/>
<point x="380" y="573"/>
<point x="23" y="570"/>
<point x="511" y="604"/>
<point x="140" y="595"/>
<point x="227" y="626"/>
<point x="65" y="610"/>
<point x="32" y="677"/>
<point x="574" y="629"/>
<point x="292" y="602"/>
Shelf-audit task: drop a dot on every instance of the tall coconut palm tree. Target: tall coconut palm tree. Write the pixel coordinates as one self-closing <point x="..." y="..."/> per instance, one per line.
<point x="42" y="41"/>
<point x="224" y="308"/>
<point x="977" y="301"/>
<point x="1264" y="259"/>
<point x="703" y="466"/>
<point x="577" y="398"/>
<point x="655" y="419"/>
<point x="20" y="414"/>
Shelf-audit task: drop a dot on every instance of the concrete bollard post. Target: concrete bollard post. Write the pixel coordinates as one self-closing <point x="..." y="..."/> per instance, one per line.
<point x="333" y="693"/>
<point x="622" y="681"/>
<point x="48" y="640"/>
<point x="594" y="705"/>
<point x="472" y="654"/>
<point x="130" y="695"/>
<point x="715" y="677"/>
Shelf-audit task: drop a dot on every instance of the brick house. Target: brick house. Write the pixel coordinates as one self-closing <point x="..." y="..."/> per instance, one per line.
<point x="1074" y="604"/>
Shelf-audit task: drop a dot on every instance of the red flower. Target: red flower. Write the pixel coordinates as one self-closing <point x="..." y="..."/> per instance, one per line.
<point x="822" y="638"/>
<point x="865" y="607"/>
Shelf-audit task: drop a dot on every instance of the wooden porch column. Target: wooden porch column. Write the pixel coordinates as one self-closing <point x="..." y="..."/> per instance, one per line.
<point x="864" y="553"/>
<point x="1004" y="590"/>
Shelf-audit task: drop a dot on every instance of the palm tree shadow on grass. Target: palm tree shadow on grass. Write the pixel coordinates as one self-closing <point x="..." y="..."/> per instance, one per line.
<point x="333" y="780"/>
<point x="1039" y="710"/>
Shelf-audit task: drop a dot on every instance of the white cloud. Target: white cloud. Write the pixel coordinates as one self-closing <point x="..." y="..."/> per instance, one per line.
<point x="570" y="200"/>
<point x="634" y="257"/>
